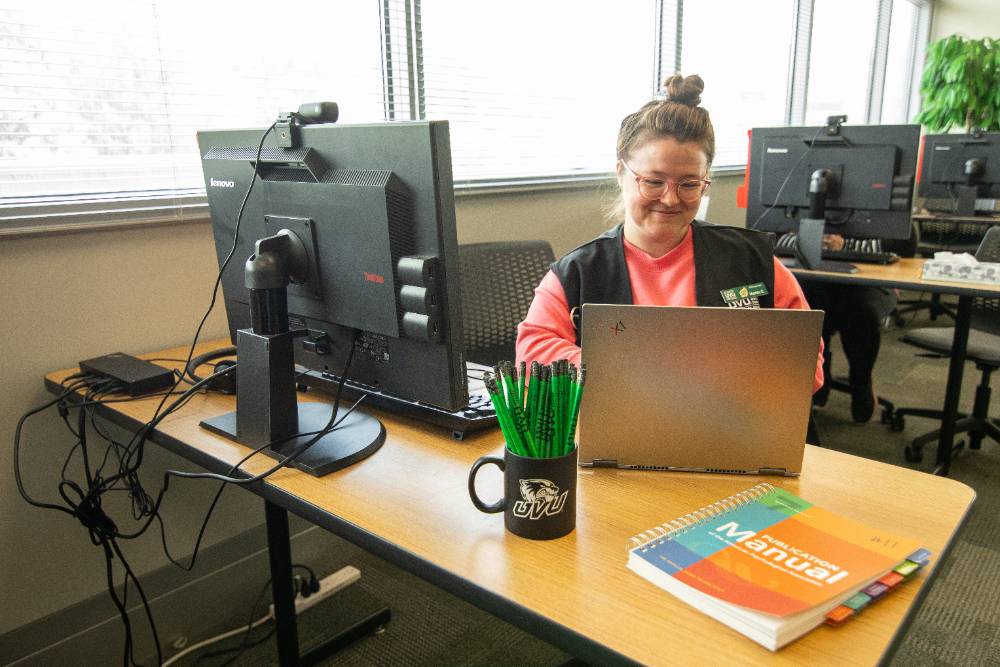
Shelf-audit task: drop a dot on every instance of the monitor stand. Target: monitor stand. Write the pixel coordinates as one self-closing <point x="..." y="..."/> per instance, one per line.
<point x="965" y="200"/>
<point x="269" y="416"/>
<point x="809" y="249"/>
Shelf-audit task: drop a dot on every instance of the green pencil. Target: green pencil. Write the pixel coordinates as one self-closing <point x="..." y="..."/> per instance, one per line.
<point x="574" y="411"/>
<point x="522" y="368"/>
<point x="503" y="415"/>
<point x="531" y="410"/>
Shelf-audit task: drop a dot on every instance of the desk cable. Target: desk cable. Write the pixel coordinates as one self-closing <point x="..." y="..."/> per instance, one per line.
<point x="83" y="500"/>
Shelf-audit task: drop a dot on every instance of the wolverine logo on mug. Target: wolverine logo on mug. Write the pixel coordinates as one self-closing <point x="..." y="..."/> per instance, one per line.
<point x="541" y="498"/>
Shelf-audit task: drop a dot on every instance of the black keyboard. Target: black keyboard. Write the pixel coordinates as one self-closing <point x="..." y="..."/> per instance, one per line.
<point x="476" y="416"/>
<point x="861" y="256"/>
<point x="863" y="251"/>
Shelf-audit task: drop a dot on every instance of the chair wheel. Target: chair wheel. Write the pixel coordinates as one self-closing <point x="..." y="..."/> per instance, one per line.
<point x="897" y="422"/>
<point x="913" y="455"/>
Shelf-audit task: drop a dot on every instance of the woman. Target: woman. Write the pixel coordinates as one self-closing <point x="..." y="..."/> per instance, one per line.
<point x="857" y="312"/>
<point x="659" y="255"/>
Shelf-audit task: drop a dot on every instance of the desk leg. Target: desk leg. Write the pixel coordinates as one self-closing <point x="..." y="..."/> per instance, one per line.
<point x="953" y="390"/>
<point x="280" y="552"/>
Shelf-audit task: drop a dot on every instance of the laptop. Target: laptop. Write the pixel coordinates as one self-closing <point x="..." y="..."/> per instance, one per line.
<point x="722" y="390"/>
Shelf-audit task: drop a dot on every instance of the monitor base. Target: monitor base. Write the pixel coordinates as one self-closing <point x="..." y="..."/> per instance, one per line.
<point x="358" y="436"/>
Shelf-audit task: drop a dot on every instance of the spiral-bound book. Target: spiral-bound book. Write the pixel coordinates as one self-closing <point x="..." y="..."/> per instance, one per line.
<point x="765" y="562"/>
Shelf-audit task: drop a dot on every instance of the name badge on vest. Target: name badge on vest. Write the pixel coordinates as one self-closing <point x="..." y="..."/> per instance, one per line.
<point x="744" y="296"/>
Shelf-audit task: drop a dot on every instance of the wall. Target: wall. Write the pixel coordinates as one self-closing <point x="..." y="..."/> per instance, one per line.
<point x="971" y="18"/>
<point x="72" y="297"/>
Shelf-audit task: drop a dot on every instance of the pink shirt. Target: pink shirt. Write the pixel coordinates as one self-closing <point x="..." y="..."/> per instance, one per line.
<point x="547" y="333"/>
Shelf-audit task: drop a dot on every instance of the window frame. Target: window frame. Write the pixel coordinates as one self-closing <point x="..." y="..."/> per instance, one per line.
<point x="405" y="99"/>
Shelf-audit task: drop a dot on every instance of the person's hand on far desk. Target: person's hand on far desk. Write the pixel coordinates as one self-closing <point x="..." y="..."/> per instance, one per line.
<point x="833" y="242"/>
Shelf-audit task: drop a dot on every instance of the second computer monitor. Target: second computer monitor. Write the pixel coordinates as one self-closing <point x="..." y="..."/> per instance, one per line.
<point x="859" y="179"/>
<point x="960" y="173"/>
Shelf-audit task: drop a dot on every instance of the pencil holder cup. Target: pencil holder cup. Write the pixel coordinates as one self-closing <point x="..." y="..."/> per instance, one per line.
<point x="539" y="500"/>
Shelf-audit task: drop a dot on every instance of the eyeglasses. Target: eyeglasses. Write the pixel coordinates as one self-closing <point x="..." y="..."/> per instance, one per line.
<point x="687" y="189"/>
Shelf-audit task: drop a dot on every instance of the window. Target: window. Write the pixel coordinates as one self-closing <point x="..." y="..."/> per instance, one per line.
<point x="840" y="61"/>
<point x="535" y="89"/>
<point x="101" y="102"/>
<point x="106" y="98"/>
<point x="748" y="88"/>
<point x="907" y="32"/>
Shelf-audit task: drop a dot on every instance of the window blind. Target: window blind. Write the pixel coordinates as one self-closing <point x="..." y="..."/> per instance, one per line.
<point x="99" y="103"/>
<point x="102" y="98"/>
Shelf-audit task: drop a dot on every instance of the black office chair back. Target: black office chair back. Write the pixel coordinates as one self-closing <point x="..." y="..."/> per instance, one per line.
<point x="986" y="312"/>
<point x="935" y="236"/>
<point x="989" y="248"/>
<point x="498" y="283"/>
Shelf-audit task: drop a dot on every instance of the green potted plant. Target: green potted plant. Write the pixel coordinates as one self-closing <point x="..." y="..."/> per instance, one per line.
<point x="961" y="84"/>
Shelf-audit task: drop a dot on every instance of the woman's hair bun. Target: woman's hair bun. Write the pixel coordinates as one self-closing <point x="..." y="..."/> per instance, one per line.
<point x="684" y="90"/>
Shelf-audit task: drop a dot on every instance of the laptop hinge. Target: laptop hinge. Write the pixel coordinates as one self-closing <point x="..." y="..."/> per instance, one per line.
<point x="772" y="471"/>
<point x="605" y="463"/>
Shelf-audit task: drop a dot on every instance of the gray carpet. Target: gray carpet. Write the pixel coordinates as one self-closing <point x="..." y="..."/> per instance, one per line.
<point x="959" y="623"/>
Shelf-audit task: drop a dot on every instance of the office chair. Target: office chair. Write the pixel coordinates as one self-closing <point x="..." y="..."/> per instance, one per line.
<point x="498" y="283"/>
<point x="930" y="237"/>
<point x="983" y="350"/>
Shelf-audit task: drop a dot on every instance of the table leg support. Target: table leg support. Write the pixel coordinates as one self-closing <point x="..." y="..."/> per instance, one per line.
<point x="953" y="389"/>
<point x="286" y="629"/>
<point x="279" y="549"/>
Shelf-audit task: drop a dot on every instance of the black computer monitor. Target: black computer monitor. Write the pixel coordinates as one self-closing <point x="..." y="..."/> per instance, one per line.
<point x="372" y="209"/>
<point x="856" y="181"/>
<point x="956" y="170"/>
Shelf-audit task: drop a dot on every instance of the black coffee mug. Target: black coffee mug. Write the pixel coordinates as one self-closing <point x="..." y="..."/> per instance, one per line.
<point x="539" y="500"/>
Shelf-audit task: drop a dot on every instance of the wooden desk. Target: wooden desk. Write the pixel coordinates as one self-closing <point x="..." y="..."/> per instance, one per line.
<point x="906" y="274"/>
<point x="409" y="504"/>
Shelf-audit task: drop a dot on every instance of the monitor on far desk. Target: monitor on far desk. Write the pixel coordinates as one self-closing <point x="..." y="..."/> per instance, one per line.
<point x="960" y="173"/>
<point x="856" y="181"/>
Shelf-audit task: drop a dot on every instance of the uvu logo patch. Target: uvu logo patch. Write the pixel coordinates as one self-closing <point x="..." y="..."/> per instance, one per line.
<point x="744" y="296"/>
<point x="540" y="498"/>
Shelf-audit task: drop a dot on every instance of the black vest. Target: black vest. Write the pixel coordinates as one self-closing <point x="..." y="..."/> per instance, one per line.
<point x="725" y="258"/>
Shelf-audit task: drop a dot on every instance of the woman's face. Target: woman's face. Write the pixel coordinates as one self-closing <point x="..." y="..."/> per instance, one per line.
<point x="658" y="221"/>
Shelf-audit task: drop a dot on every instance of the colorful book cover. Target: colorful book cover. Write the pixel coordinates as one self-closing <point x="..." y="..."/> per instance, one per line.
<point x="776" y="553"/>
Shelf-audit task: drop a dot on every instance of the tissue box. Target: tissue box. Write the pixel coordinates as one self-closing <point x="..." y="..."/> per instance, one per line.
<point x="981" y="272"/>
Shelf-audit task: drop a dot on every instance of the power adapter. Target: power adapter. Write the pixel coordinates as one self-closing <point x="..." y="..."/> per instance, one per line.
<point x="136" y="376"/>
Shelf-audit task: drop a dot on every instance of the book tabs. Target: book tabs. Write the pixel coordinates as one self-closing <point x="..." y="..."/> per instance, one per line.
<point x="878" y="589"/>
